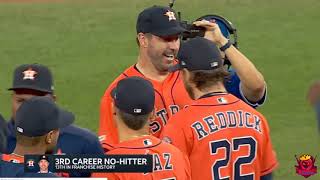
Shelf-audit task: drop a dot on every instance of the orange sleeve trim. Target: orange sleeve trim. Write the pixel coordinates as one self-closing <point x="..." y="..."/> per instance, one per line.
<point x="269" y="170"/>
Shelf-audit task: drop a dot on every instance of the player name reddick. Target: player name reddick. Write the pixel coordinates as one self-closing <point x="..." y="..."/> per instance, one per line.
<point x="224" y="120"/>
<point x="101" y="161"/>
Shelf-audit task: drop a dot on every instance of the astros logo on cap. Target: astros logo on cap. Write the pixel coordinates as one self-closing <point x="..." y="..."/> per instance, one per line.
<point x="171" y="15"/>
<point x="29" y="74"/>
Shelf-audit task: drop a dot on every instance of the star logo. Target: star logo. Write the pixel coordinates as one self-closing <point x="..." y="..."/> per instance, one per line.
<point x="29" y="74"/>
<point x="170" y="15"/>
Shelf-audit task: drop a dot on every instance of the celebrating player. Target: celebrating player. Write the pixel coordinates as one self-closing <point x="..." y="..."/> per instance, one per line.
<point x="32" y="80"/>
<point x="133" y="108"/>
<point x="226" y="136"/>
<point x="37" y="124"/>
<point x="158" y="33"/>
<point x="3" y="134"/>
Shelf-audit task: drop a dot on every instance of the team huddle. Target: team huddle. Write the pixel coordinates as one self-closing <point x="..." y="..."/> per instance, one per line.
<point x="179" y="102"/>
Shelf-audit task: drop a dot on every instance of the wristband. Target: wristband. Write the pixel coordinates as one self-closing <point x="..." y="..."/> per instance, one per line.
<point x="226" y="46"/>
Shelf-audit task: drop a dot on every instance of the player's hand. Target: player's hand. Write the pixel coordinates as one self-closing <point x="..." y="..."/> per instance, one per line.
<point x="213" y="32"/>
<point x="314" y="93"/>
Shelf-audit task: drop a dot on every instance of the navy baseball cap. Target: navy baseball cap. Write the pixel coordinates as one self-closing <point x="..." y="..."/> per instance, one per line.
<point x="134" y="95"/>
<point x="44" y="157"/>
<point x="198" y="54"/>
<point x="160" y="21"/>
<point x="33" y="76"/>
<point x="40" y="115"/>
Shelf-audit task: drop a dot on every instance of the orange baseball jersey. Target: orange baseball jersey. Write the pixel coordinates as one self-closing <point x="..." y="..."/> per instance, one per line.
<point x="223" y="137"/>
<point x="170" y="97"/>
<point x="12" y="158"/>
<point x="169" y="163"/>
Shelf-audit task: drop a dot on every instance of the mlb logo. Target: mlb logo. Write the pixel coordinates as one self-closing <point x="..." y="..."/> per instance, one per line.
<point x="147" y="142"/>
<point x="19" y="129"/>
<point x="214" y="64"/>
<point x="222" y="100"/>
<point x="137" y="110"/>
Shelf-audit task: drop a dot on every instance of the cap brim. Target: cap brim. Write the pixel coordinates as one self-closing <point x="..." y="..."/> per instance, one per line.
<point x="31" y="88"/>
<point x="170" y="31"/>
<point x="65" y="118"/>
<point x="174" y="68"/>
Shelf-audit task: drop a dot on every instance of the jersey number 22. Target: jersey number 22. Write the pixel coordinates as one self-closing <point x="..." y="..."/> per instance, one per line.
<point x="229" y="147"/>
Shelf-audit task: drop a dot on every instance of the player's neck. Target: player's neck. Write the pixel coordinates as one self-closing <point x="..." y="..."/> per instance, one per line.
<point x="22" y="150"/>
<point x="145" y="66"/>
<point x="213" y="89"/>
<point x="126" y="133"/>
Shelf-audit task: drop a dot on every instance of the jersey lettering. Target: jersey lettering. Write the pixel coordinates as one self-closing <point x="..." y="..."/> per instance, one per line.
<point x="159" y="166"/>
<point x="168" y="165"/>
<point x="157" y="163"/>
<point x="174" y="109"/>
<point x="224" y="120"/>
<point x="198" y="127"/>
<point x="163" y="115"/>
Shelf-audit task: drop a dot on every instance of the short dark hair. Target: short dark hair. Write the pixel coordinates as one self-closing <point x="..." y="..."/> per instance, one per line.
<point x="204" y="79"/>
<point x="135" y="122"/>
<point x="31" y="91"/>
<point x="29" y="141"/>
<point x="148" y="35"/>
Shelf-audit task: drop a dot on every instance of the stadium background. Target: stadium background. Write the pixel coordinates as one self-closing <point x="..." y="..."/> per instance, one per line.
<point x="87" y="43"/>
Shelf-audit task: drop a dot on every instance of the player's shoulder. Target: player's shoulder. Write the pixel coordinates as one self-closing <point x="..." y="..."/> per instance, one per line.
<point x="130" y="71"/>
<point x="185" y="113"/>
<point x="10" y="169"/>
<point x="78" y="132"/>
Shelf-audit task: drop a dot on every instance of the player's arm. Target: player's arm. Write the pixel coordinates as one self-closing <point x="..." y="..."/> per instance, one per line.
<point x="187" y="167"/>
<point x="268" y="162"/>
<point x="94" y="146"/>
<point x="107" y="127"/>
<point x="174" y="134"/>
<point x="253" y="85"/>
<point x="3" y="134"/>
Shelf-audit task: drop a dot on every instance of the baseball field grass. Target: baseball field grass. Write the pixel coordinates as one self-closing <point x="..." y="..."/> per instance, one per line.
<point x="88" y="43"/>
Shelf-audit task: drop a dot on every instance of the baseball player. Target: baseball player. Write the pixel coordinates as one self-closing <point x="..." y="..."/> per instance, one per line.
<point x="158" y="39"/>
<point x="313" y="97"/>
<point x="37" y="124"/>
<point x="223" y="137"/>
<point x="133" y="108"/>
<point x="30" y="80"/>
<point x="3" y="134"/>
<point x="44" y="164"/>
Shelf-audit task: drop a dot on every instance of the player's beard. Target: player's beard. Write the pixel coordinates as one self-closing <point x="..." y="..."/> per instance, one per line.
<point x="160" y="61"/>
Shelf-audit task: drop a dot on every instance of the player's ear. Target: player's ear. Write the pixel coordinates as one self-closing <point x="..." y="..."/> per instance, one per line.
<point x="52" y="136"/>
<point x="49" y="137"/>
<point x="114" y="112"/>
<point x="152" y="115"/>
<point x="54" y="97"/>
<point x="142" y="40"/>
